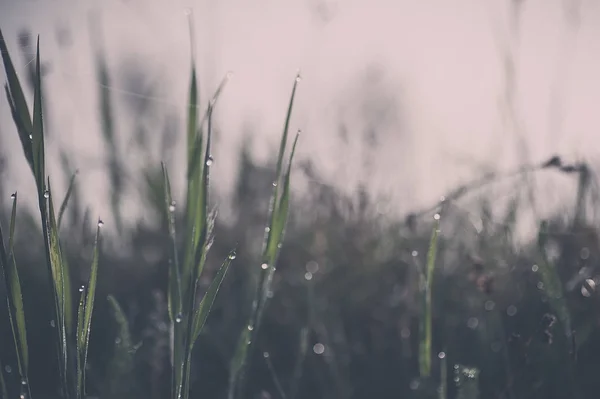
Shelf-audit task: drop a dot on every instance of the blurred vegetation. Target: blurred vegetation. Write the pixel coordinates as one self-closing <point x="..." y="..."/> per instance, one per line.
<point x="510" y="319"/>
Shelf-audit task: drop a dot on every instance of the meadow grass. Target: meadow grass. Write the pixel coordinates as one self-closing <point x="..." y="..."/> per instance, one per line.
<point x="187" y="314"/>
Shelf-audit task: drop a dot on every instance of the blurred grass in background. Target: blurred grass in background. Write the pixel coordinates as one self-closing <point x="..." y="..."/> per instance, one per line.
<point x="509" y="319"/>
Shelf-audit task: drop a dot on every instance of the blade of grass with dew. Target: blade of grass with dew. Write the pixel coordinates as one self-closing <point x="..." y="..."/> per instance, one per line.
<point x="425" y="330"/>
<point x="271" y="244"/>
<point x="467" y="382"/>
<point x="175" y="295"/>
<point x="83" y="338"/>
<point x="16" y="311"/>
<point x="201" y="315"/>
<point x="65" y="202"/>
<point x="17" y="102"/>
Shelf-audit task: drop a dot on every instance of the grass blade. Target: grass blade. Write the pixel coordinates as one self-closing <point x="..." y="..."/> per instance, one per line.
<point x="14" y="295"/>
<point x="271" y="244"/>
<point x="121" y="365"/>
<point x="17" y="102"/>
<point x="3" y="390"/>
<point x="425" y="329"/>
<point x="84" y="329"/>
<point x="65" y="202"/>
<point x="175" y="298"/>
<point x="203" y="309"/>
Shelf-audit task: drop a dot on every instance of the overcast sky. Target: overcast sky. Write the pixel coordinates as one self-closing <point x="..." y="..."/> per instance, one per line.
<point x="431" y="75"/>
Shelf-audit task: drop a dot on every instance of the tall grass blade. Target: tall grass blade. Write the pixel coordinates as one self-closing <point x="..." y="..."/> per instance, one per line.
<point x="87" y="308"/>
<point x="425" y="330"/>
<point x="175" y="298"/>
<point x="16" y="311"/>
<point x="17" y="102"/>
<point x="278" y="208"/>
<point x="65" y="202"/>
<point x="121" y="364"/>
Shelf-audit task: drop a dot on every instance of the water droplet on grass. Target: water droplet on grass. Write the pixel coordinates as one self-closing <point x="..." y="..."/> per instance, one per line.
<point x="250" y="327"/>
<point x="13" y="196"/>
<point x="172" y="206"/>
<point x="46" y="194"/>
<point x="81" y="288"/>
<point x="264" y="266"/>
<point x="210" y="160"/>
<point x="319" y="348"/>
<point x="308" y="276"/>
<point x="588" y="287"/>
<point x="232" y="256"/>
<point x="178" y="318"/>
<point x="415" y="254"/>
<point x="535" y="268"/>
<point x="473" y="322"/>
<point x="52" y="323"/>
<point x="442" y="355"/>
<point x="436" y="216"/>
<point x="100" y="223"/>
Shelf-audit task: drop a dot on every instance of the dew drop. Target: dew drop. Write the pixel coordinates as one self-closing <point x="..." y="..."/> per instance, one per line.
<point x="442" y="355"/>
<point x="52" y="323"/>
<point x="81" y="288"/>
<point x="13" y="196"/>
<point x="267" y="229"/>
<point x="210" y="160"/>
<point x="298" y="77"/>
<point x="23" y="381"/>
<point x="308" y="276"/>
<point x="414" y="254"/>
<point x="8" y="369"/>
<point x="250" y="327"/>
<point x="270" y="294"/>
<point x="540" y="285"/>
<point x="436" y="216"/>
<point x="264" y="266"/>
<point x="30" y="137"/>
<point x="319" y="348"/>
<point x="178" y="318"/>
<point x="100" y="223"/>
<point x="414" y="384"/>
<point x="489" y="305"/>
<point x="22" y="396"/>
<point x="511" y="310"/>
<point x="584" y="253"/>
<point x="232" y="256"/>
<point x="265" y="354"/>
<point x="274" y="184"/>
<point x="117" y="340"/>
<point x="588" y="287"/>
<point x="535" y="268"/>
<point x="172" y="206"/>
<point x="46" y="194"/>
<point x="473" y="322"/>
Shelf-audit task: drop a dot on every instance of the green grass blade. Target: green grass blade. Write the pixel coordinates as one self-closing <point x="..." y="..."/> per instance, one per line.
<point x="425" y="330"/>
<point x="17" y="102"/>
<point x="175" y="298"/>
<point x="14" y="295"/>
<point x="80" y="341"/>
<point x="37" y="138"/>
<point x="271" y="245"/>
<point x="203" y="309"/>
<point x="90" y="294"/>
<point x="65" y="202"/>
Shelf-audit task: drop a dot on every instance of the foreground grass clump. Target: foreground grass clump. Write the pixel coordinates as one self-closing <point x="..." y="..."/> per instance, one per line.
<point x="187" y="315"/>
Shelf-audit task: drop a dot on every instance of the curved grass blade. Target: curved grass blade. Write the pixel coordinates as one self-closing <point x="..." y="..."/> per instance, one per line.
<point x="271" y="244"/>
<point x="65" y="202"/>
<point x="17" y="102"/>
<point x="121" y="364"/>
<point x="175" y="298"/>
<point x="203" y="309"/>
<point x="37" y="135"/>
<point x="425" y="330"/>
<point x="14" y="296"/>
<point x="84" y="331"/>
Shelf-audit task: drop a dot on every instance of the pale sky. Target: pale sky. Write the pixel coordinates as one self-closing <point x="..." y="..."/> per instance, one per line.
<point x="430" y="73"/>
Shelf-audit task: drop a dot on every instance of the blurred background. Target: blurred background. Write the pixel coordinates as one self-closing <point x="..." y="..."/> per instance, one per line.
<point x="490" y="105"/>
